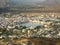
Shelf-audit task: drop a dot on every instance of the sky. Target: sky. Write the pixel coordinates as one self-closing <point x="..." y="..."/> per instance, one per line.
<point x="36" y="2"/>
<point x="47" y="2"/>
<point x="29" y="0"/>
<point x="33" y="2"/>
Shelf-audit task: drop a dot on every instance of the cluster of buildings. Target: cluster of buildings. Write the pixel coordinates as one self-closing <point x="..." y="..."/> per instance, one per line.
<point x="15" y="27"/>
<point x="45" y="29"/>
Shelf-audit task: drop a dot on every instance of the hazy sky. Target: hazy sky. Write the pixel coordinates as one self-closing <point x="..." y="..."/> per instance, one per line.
<point x="28" y="3"/>
<point x="29" y="0"/>
<point x="33" y="2"/>
<point x="37" y="1"/>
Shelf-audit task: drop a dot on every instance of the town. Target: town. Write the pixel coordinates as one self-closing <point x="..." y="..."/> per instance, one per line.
<point x="37" y="25"/>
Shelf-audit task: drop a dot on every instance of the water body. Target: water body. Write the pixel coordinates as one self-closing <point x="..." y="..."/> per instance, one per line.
<point x="29" y="24"/>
